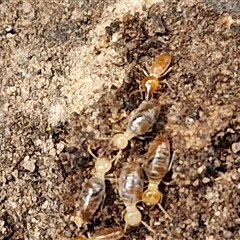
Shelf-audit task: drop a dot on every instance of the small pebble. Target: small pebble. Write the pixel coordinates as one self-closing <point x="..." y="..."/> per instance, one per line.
<point x="217" y="213"/>
<point x="205" y="180"/>
<point x="200" y="169"/>
<point x="28" y="164"/>
<point x="149" y="238"/>
<point x="210" y="238"/>
<point x="196" y="183"/>
<point x="236" y="147"/>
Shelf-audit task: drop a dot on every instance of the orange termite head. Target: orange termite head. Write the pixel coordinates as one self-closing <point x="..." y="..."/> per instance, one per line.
<point x="152" y="196"/>
<point x="150" y="84"/>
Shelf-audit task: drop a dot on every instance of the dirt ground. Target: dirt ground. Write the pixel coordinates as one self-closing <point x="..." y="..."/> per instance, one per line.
<point x="70" y="73"/>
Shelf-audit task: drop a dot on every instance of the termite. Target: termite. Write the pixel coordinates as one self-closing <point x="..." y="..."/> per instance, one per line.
<point x="93" y="191"/>
<point x="130" y="188"/>
<point x="158" y="68"/>
<point x="141" y="120"/>
<point x="159" y="162"/>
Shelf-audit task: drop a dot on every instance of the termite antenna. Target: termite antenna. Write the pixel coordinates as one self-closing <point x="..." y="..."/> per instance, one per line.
<point x="163" y="210"/>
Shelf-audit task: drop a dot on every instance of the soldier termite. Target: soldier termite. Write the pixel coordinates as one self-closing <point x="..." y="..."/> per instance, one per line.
<point x="141" y="120"/>
<point x="93" y="191"/>
<point x="158" y="164"/>
<point x="130" y="188"/>
<point x="106" y="234"/>
<point x="158" y="68"/>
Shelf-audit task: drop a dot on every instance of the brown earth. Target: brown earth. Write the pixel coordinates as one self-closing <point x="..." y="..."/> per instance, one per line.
<point x="70" y="73"/>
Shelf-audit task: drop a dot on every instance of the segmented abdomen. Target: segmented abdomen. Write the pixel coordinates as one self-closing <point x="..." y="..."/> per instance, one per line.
<point x="91" y="196"/>
<point x="143" y="118"/>
<point x="160" y="65"/>
<point x="158" y="159"/>
<point x="109" y="234"/>
<point x="130" y="184"/>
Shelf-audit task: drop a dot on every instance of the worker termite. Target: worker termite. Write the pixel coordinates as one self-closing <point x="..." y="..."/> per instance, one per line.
<point x="130" y="188"/>
<point x="158" y="68"/>
<point x="106" y="234"/>
<point x="141" y="120"/>
<point x="93" y="191"/>
<point x="158" y="164"/>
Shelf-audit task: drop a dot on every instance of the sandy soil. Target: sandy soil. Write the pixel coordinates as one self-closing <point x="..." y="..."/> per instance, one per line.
<point x="70" y="73"/>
